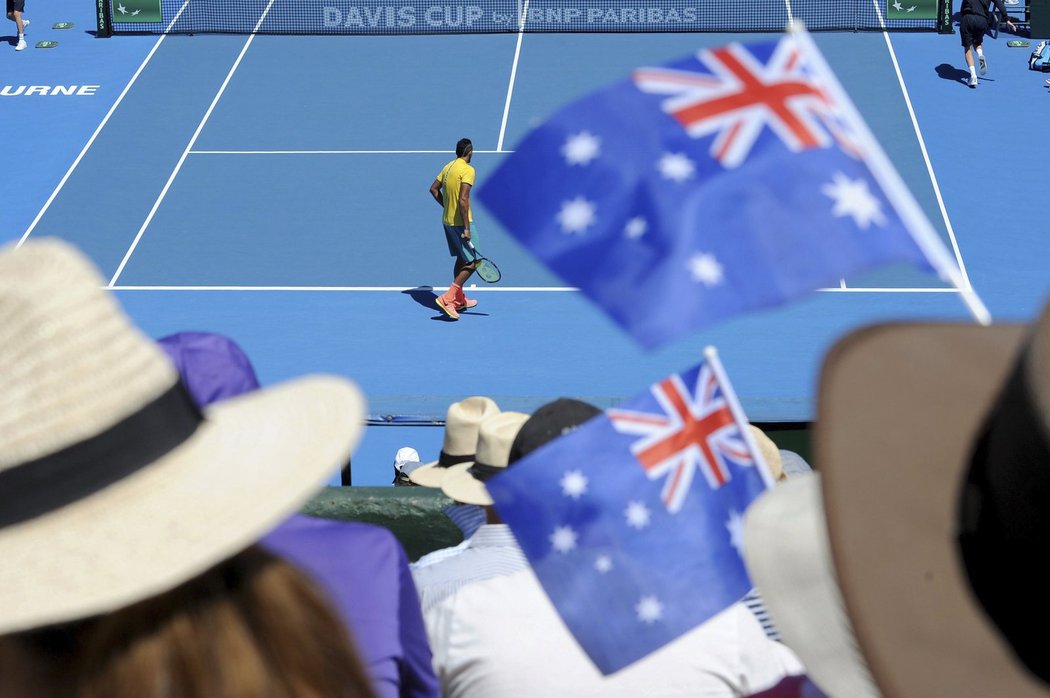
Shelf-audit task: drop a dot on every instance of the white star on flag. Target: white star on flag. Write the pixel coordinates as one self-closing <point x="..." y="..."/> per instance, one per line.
<point x="705" y="269"/>
<point x="853" y="199"/>
<point x="603" y="564"/>
<point x="581" y="148"/>
<point x="897" y="5"/>
<point x="563" y="539"/>
<point x="912" y="8"/>
<point x="735" y="526"/>
<point x="573" y="484"/>
<point x="676" y="167"/>
<point x="649" y="609"/>
<point x="576" y="216"/>
<point x="637" y="515"/>
<point x="121" y="9"/>
<point x="135" y="12"/>
<point x="635" y="228"/>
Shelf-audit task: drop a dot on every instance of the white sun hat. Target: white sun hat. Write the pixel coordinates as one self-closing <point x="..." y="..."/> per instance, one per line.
<point x="114" y="487"/>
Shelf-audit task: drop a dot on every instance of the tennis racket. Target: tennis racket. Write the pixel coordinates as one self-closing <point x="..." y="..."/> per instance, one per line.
<point x="488" y="271"/>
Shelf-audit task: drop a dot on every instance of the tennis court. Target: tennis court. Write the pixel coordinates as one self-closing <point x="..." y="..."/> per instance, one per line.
<point x="274" y="189"/>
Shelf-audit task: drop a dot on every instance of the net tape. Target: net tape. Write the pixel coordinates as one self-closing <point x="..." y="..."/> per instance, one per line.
<point x="494" y="16"/>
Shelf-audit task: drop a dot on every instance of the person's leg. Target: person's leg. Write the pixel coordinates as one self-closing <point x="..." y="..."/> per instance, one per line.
<point x="15" y="8"/>
<point x="462" y="273"/>
<point x="981" y="62"/>
<point x="968" y="33"/>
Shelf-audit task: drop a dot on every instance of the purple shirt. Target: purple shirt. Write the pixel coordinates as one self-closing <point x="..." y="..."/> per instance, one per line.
<point x="365" y="572"/>
<point x="363" y="569"/>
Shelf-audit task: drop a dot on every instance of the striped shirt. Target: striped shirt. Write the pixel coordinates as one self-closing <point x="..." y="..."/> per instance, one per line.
<point x="491" y="552"/>
<point x="757" y="606"/>
<point x="468" y="518"/>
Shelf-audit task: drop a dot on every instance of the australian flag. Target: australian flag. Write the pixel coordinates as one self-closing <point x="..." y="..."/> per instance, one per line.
<point x="633" y="522"/>
<point x="736" y="178"/>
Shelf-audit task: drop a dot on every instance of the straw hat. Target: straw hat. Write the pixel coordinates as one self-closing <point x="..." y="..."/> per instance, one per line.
<point x="113" y="486"/>
<point x="937" y="552"/>
<point x="466" y="482"/>
<point x="462" y="422"/>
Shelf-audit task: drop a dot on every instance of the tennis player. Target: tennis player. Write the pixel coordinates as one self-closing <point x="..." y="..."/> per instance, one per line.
<point x="451" y="189"/>
<point x="15" y="8"/>
<point x="974" y="21"/>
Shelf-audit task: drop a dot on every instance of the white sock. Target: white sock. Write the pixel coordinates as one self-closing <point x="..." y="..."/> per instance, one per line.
<point x="973" y="71"/>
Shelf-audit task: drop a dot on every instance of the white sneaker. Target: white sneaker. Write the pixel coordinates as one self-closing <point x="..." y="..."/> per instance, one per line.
<point x="25" y="23"/>
<point x="20" y="45"/>
<point x="973" y="80"/>
<point x="983" y="63"/>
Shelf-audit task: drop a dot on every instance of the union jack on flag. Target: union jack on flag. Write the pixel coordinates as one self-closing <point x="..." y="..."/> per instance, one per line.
<point x="739" y="95"/>
<point x="695" y="430"/>
<point x="634" y="557"/>
<point x="734" y="178"/>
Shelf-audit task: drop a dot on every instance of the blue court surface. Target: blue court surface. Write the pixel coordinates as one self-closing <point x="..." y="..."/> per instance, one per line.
<point x="274" y="189"/>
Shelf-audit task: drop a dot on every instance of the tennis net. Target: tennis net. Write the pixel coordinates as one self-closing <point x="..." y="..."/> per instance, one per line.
<point x="492" y="16"/>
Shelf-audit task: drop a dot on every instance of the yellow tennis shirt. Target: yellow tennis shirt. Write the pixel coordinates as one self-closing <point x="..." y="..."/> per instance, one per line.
<point x="452" y="177"/>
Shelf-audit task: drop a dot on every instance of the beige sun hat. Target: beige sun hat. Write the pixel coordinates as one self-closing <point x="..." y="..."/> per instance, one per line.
<point x="908" y="416"/>
<point x="466" y="483"/>
<point x="462" y="422"/>
<point x="113" y="485"/>
<point x="788" y="557"/>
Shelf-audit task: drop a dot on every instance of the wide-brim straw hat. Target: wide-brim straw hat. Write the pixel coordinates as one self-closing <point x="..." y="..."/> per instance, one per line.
<point x="113" y="488"/>
<point x="900" y="411"/>
<point x="466" y="483"/>
<point x="460" y="443"/>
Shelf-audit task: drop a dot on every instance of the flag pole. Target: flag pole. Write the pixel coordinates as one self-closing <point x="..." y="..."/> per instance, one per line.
<point x="712" y="360"/>
<point x="918" y="225"/>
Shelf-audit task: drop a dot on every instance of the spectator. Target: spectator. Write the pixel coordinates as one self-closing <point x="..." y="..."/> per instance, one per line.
<point x="932" y="443"/>
<point x="492" y="549"/>
<point x="775" y="459"/>
<point x="406" y="462"/>
<point x="128" y="515"/>
<point x="362" y="568"/>
<point x="503" y="637"/>
<point x="788" y="558"/>
<point x="462" y="422"/>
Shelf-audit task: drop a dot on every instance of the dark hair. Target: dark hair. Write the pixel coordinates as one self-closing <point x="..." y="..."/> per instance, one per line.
<point x="252" y="625"/>
<point x="463" y="147"/>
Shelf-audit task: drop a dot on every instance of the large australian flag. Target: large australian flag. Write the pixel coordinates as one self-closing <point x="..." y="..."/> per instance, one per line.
<point x="633" y="522"/>
<point x="736" y="178"/>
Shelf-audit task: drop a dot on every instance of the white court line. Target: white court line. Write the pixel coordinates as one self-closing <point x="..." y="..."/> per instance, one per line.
<point x="98" y="130"/>
<point x="331" y="289"/>
<point x="505" y="289"/>
<point x="925" y="153"/>
<point x="513" y="76"/>
<point x="337" y="152"/>
<point x="193" y="139"/>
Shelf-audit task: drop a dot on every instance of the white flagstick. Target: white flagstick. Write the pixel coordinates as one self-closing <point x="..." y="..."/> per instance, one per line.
<point x="890" y="180"/>
<point x="711" y="358"/>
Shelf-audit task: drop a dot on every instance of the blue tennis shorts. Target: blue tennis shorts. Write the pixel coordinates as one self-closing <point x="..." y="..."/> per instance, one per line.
<point x="457" y="245"/>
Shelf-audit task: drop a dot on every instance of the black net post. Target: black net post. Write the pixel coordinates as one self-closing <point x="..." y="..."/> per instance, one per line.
<point x="103" y="19"/>
<point x="944" y="17"/>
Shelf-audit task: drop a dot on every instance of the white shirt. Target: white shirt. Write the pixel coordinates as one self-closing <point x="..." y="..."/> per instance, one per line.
<point x="492" y="551"/>
<point x="503" y="638"/>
